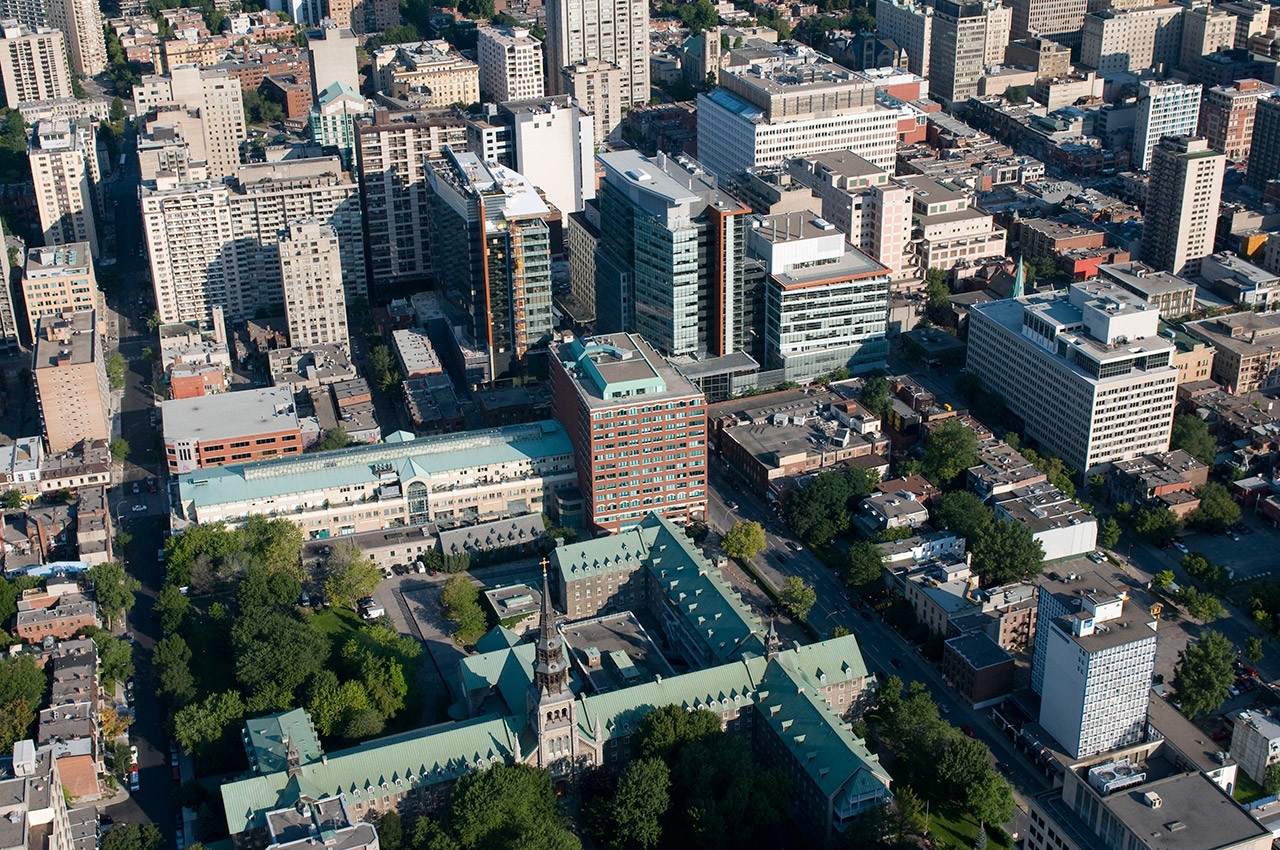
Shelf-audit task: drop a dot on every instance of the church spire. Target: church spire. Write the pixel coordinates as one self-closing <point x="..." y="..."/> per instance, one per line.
<point x="1019" y="281"/>
<point x="550" y="672"/>
<point x="772" y="644"/>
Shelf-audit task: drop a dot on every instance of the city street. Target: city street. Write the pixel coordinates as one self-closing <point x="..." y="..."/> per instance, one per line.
<point x="880" y="644"/>
<point x="128" y="309"/>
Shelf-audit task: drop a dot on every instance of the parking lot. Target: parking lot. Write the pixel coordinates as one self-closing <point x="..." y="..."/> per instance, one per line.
<point x="1256" y="554"/>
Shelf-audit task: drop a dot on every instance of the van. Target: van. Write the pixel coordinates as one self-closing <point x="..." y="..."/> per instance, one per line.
<point x="160" y="555"/>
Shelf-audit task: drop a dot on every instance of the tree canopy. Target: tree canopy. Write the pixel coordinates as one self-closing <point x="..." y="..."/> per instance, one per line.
<point x="744" y="540"/>
<point x="797" y="598"/>
<point x="1217" y="510"/>
<point x="1203" y="674"/>
<point x="949" y="450"/>
<point x="509" y="806"/>
<point x="22" y="686"/>
<point x="963" y="513"/>
<point x="113" y="589"/>
<point x="821" y="509"/>
<point x="1191" y="434"/>
<point x="864" y="564"/>
<point x="351" y="575"/>
<point x="1007" y="552"/>
<point x="1156" y="525"/>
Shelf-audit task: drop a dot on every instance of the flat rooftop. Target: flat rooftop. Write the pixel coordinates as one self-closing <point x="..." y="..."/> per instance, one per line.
<point x="228" y="415"/>
<point x="610" y="370"/>
<point x="71" y="258"/>
<point x="1244" y="334"/>
<point x="1142" y="278"/>
<point x="1195" y="813"/>
<point x="69" y="339"/>
<point x="979" y="650"/>
<point x="614" y="652"/>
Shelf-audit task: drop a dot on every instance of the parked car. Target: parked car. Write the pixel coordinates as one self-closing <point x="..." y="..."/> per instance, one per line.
<point x="1180" y="546"/>
<point x="969" y="730"/>
<point x="133" y="780"/>
<point x="137" y="509"/>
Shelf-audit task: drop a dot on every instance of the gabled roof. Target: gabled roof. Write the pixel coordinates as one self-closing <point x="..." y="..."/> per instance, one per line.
<point x="267" y="740"/>
<point x="815" y="736"/>
<point x="419" y="758"/>
<point x="496" y="639"/>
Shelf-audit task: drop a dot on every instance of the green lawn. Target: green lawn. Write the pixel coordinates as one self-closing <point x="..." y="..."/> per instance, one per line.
<point x="336" y="624"/>
<point x="959" y="834"/>
<point x="1246" y="790"/>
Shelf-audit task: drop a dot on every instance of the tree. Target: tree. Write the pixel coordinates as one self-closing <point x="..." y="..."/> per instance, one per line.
<point x="1203" y="674"/>
<point x="937" y="301"/>
<point x="822" y="508"/>
<point x="1202" y="606"/>
<point x="638" y="807"/>
<point x="1109" y="533"/>
<point x="699" y="15"/>
<point x="875" y="394"/>
<point x="119" y="449"/>
<point x="796" y="597"/>
<point x="1253" y="649"/>
<point x="117" y="113"/>
<point x="429" y="835"/>
<point x="1007" y="552"/>
<point x="509" y="806"/>
<point x="1016" y="94"/>
<point x="172" y="607"/>
<point x="664" y="730"/>
<point x="1271" y="779"/>
<point x="1217" y="511"/>
<point x="336" y="438"/>
<point x="276" y="651"/>
<point x="277" y="545"/>
<point x="1054" y="469"/>
<point x="963" y="513"/>
<point x="1191" y="434"/>
<point x="908" y="816"/>
<point x="113" y="589"/>
<point x="989" y="800"/>
<point x="171" y="659"/>
<point x="133" y="836"/>
<point x="351" y="575"/>
<point x="1156" y="525"/>
<point x="696" y="531"/>
<point x="1162" y="580"/>
<point x="864" y="564"/>
<point x="1097" y="487"/>
<point x="390" y="830"/>
<point x="722" y="798"/>
<point x="745" y="540"/>
<point x="115" y="657"/>
<point x="13" y="500"/>
<point x="461" y="600"/>
<point x="949" y="450"/>
<point x="116" y="367"/>
<point x="199" y="726"/>
<point x="22" y="686"/>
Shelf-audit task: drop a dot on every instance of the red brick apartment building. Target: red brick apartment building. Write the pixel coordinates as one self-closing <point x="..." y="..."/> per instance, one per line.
<point x="638" y="427"/>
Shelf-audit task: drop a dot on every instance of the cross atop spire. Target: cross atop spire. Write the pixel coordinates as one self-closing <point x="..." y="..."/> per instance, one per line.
<point x="550" y="672"/>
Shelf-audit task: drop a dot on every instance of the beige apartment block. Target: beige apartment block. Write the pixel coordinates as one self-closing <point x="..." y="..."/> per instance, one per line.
<point x="1132" y="39"/>
<point x="71" y="380"/>
<point x="1182" y="204"/>
<point x="64" y="169"/>
<point x="615" y="31"/>
<point x="60" y="279"/>
<point x="81" y="22"/>
<point x="510" y="64"/>
<point x="311" y="272"/>
<point x="33" y="64"/>
<point x="597" y="86"/>
<point x="215" y="95"/>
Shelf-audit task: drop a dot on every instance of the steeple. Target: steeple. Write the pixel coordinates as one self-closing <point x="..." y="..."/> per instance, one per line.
<point x="772" y="644"/>
<point x="292" y="761"/>
<point x="1019" y="281"/>
<point x="550" y="672"/>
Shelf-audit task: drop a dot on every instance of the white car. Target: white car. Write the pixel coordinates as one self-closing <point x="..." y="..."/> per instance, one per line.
<point x="1181" y="547"/>
<point x="137" y="509"/>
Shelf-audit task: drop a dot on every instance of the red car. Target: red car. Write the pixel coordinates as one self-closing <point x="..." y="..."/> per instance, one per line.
<point x="969" y="730"/>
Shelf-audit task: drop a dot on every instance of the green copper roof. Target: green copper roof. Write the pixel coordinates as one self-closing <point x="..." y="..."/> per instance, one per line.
<point x="815" y="736"/>
<point x="618" y="712"/>
<point x="497" y="638"/>
<point x="421" y="757"/>
<point x="712" y="609"/>
<point x="266" y="740"/>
